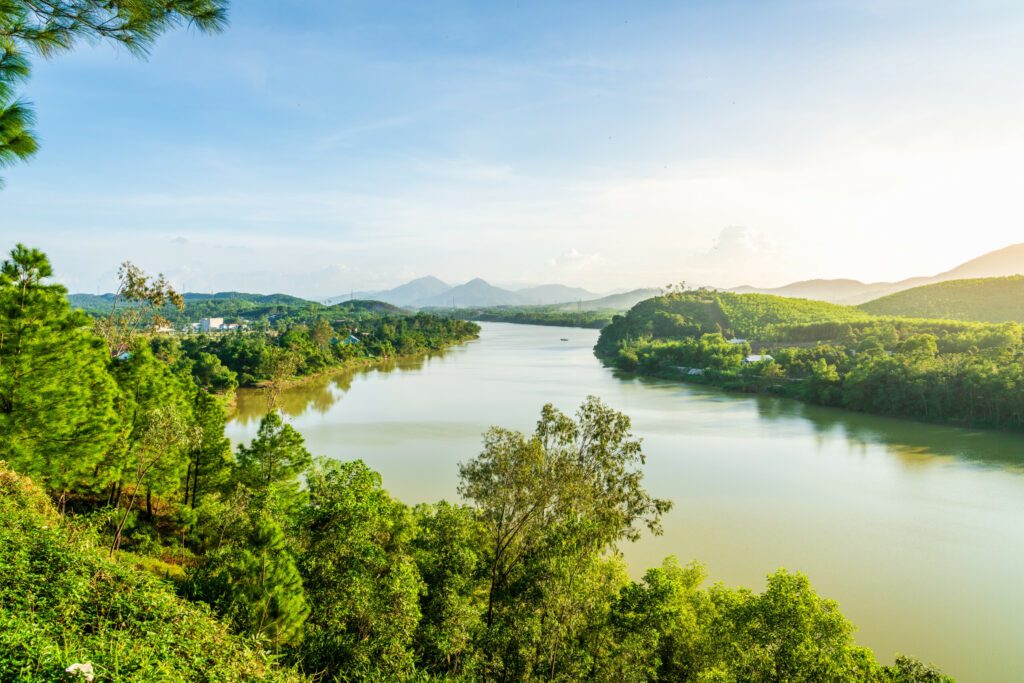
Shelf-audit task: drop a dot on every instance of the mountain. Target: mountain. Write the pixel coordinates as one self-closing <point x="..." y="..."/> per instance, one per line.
<point x="992" y="300"/>
<point x="999" y="263"/>
<point x="403" y="295"/>
<point x="617" y="302"/>
<point x="554" y="294"/>
<point x="834" y="291"/>
<point x="476" y="292"/>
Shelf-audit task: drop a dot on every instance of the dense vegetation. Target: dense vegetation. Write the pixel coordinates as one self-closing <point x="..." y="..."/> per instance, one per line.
<point x="993" y="300"/>
<point x="298" y="345"/>
<point x="533" y="315"/>
<point x="945" y="371"/>
<point x="269" y="563"/>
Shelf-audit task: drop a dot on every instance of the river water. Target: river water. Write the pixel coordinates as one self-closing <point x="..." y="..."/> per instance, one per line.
<point x="917" y="530"/>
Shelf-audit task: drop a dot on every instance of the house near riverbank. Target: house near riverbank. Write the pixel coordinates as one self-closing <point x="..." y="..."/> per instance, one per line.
<point x="758" y="358"/>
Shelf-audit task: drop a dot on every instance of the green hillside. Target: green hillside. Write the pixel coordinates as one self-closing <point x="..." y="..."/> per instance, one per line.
<point x="950" y="371"/>
<point x="993" y="300"/>
<point x="63" y="602"/>
<point x="733" y="315"/>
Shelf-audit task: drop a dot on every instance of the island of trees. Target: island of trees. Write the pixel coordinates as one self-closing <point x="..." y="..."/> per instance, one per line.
<point x="135" y="544"/>
<point x="934" y="370"/>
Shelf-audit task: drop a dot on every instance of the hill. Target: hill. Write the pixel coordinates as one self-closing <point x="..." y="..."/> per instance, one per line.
<point x="993" y="300"/>
<point x="477" y="292"/>
<point x="613" y="302"/>
<point x="199" y="304"/>
<point x="403" y="295"/>
<point x="63" y="602"/>
<point x="1000" y="263"/>
<point x="554" y="294"/>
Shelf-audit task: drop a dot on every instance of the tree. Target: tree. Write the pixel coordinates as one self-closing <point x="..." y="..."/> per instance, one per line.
<point x="162" y="432"/>
<point x="359" y="576"/>
<point x="255" y="585"/>
<point x="48" y="27"/>
<point x="56" y="399"/>
<point x="277" y="456"/>
<point x="447" y="549"/>
<point x="148" y="386"/>
<point x="552" y="504"/>
<point x="137" y="303"/>
<point x="210" y="458"/>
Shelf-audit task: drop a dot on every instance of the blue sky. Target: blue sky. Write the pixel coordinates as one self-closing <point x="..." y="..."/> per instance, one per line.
<point x="320" y="146"/>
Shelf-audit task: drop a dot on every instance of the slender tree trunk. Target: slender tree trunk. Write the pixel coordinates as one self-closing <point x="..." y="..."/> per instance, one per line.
<point x="188" y="477"/>
<point x="149" y="503"/>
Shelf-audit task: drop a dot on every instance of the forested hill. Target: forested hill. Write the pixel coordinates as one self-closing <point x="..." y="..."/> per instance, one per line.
<point x="235" y="306"/>
<point x="937" y="370"/>
<point x="993" y="300"/>
<point x="706" y="311"/>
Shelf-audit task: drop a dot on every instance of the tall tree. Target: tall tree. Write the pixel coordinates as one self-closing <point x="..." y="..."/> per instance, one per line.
<point x="210" y="458"/>
<point x="359" y="574"/>
<point x="46" y="27"/>
<point x="552" y="504"/>
<point x="56" y="399"/>
<point x="254" y="584"/>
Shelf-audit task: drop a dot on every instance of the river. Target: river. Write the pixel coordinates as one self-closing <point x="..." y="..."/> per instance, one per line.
<point x="917" y="530"/>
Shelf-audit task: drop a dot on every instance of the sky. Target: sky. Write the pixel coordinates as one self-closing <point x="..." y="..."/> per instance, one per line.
<point x="320" y="146"/>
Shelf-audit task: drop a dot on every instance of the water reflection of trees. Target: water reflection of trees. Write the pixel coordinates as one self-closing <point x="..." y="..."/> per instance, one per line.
<point x="317" y="394"/>
<point x="915" y="443"/>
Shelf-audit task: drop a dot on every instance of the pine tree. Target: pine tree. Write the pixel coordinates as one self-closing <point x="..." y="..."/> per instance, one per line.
<point x="56" y="398"/>
<point x="254" y="585"/>
<point x="210" y="460"/>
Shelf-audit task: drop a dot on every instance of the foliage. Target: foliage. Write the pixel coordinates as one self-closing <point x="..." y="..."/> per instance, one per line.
<point x="936" y="370"/>
<point x="358" y="571"/>
<point x="551" y="506"/>
<point x="62" y="602"/>
<point x="57" y="416"/>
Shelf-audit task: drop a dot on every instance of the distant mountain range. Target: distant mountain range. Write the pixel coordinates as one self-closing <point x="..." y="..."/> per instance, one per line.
<point x="430" y="292"/>
<point x="1000" y="263"/>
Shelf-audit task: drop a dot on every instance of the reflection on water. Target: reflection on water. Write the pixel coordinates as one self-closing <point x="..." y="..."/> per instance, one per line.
<point x="317" y="394"/>
<point x="915" y="444"/>
<point x="917" y="530"/>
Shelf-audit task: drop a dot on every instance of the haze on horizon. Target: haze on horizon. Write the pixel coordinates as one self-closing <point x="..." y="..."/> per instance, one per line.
<point x="318" y="147"/>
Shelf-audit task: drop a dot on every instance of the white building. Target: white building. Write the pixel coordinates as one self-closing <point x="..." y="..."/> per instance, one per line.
<point x="211" y="324"/>
<point x="758" y="358"/>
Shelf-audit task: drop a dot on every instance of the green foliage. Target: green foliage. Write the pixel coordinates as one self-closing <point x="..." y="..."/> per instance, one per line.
<point x="992" y="300"/>
<point x="302" y="346"/>
<point x="358" y="572"/>
<point x="552" y="505"/>
<point x="254" y="585"/>
<point x="936" y="370"/>
<point x="57" y="415"/>
<point x="448" y="553"/>
<point x="271" y="465"/>
<point x="62" y="602"/>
